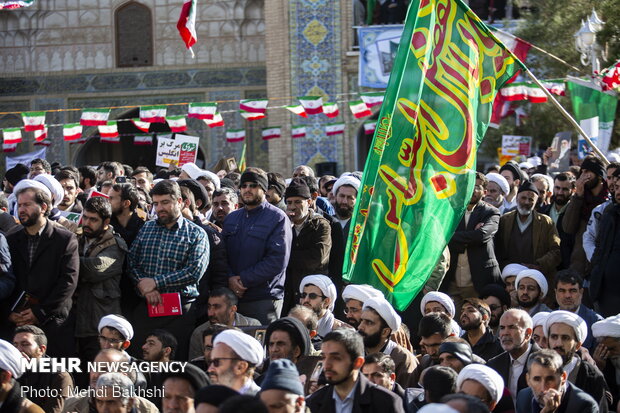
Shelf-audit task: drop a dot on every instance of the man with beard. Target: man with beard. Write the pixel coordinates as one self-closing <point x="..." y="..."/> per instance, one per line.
<point x="318" y="293"/>
<point x="124" y="200"/>
<point x="607" y="354"/>
<point x="102" y="255"/>
<point x="258" y="241"/>
<point x="159" y="347"/>
<point x="69" y="182"/>
<point x="528" y="237"/>
<point x="514" y="176"/>
<point x="354" y="297"/>
<point x="498" y="301"/>
<point x="563" y="189"/>
<point x="433" y="330"/>
<point x="473" y="264"/>
<point x="379" y="320"/>
<point x="234" y="358"/>
<point x="569" y="296"/>
<point x="549" y="390"/>
<point x="566" y="333"/>
<point x="46" y="265"/>
<point x="515" y="332"/>
<point x="221" y="309"/>
<point x="509" y="275"/>
<point x="225" y="201"/>
<point x="343" y="357"/>
<point x="532" y="288"/>
<point x="275" y="190"/>
<point x="169" y="255"/>
<point x="497" y="189"/>
<point x="474" y="320"/>
<point x="590" y="191"/>
<point x="287" y="338"/>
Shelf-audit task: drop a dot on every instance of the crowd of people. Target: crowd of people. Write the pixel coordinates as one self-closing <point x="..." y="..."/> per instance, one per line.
<point x="224" y="292"/>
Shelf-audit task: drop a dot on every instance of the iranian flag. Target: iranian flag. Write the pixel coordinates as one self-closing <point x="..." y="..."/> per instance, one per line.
<point x="369" y="127"/>
<point x="116" y="139"/>
<point x="143" y="140"/>
<point x="334" y="129"/>
<point x="33" y="121"/>
<point x="80" y="141"/>
<point x="40" y="135"/>
<point x="177" y="124"/>
<point x="330" y="109"/>
<point x="531" y="92"/>
<point x="43" y="143"/>
<point x="187" y="24"/>
<point x="298" y="132"/>
<point x="254" y="105"/>
<point x="143" y="126"/>
<point x="235" y="135"/>
<point x="72" y="131"/>
<point x="12" y="135"/>
<point x="217" y="120"/>
<point x="94" y="117"/>
<point x="204" y="110"/>
<point x="312" y="104"/>
<point x="372" y="98"/>
<point x="359" y="109"/>
<point x="109" y="130"/>
<point x="153" y="114"/>
<point x="9" y="147"/>
<point x="250" y="116"/>
<point x="271" y="132"/>
<point x="297" y="110"/>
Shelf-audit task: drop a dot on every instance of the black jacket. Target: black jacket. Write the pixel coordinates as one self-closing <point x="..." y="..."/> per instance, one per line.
<point x="479" y="246"/>
<point x="501" y="364"/>
<point x="601" y="280"/>
<point x="368" y="398"/>
<point x="574" y="400"/>
<point x="591" y="380"/>
<point x="567" y="241"/>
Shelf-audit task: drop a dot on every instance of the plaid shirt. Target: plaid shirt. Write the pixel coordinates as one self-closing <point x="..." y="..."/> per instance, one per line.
<point x="175" y="258"/>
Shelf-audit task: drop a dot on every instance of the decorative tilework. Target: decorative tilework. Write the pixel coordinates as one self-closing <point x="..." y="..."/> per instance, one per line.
<point x="316" y="69"/>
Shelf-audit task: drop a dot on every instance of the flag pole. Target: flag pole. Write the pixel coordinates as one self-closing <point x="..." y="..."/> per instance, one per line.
<point x="567" y="116"/>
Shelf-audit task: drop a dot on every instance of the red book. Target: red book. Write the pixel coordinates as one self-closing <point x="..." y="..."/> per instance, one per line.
<point x="171" y="305"/>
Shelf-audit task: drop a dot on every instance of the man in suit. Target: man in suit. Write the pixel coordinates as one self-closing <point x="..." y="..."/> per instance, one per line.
<point x="348" y="390"/>
<point x="46" y="265"/>
<point x="549" y="390"/>
<point x="528" y="237"/>
<point x="473" y="264"/>
<point x="515" y="332"/>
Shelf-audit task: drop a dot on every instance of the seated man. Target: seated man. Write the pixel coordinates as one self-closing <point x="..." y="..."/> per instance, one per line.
<point x="433" y="330"/>
<point x="11" y="393"/>
<point x="509" y="275"/>
<point x="112" y="393"/>
<point x="538" y="329"/>
<point x="318" y="292"/>
<point x="455" y="353"/>
<point x="222" y="309"/>
<point x="180" y="389"/>
<point x="482" y="382"/>
<point x="281" y="389"/>
<point x="354" y="297"/>
<point x="532" y="289"/>
<point x="475" y="316"/>
<point x="438" y="302"/>
<point x="234" y="358"/>
<point x="380" y="369"/>
<point x="56" y="386"/>
<point x="549" y="390"/>
<point x="287" y="338"/>
<point x="607" y="353"/>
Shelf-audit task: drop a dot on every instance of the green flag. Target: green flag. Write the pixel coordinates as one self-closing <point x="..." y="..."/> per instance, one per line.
<point x="241" y="166"/>
<point x="595" y="111"/>
<point x="419" y="175"/>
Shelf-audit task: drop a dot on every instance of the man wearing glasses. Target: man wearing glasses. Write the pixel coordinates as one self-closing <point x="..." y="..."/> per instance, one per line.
<point x="318" y="293"/>
<point x="258" y="241"/>
<point x="234" y="358"/>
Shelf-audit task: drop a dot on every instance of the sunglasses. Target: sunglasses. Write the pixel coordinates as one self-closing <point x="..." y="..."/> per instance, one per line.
<point x="313" y="296"/>
<point x="246" y="185"/>
<point x="216" y="362"/>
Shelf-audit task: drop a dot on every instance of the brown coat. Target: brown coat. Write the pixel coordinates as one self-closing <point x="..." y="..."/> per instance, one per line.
<point x="406" y="366"/>
<point x="545" y="241"/>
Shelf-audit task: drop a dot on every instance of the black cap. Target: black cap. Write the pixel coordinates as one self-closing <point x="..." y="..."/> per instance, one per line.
<point x="593" y="164"/>
<point x="199" y="191"/>
<point x="276" y="182"/>
<point x="227" y="183"/>
<point x="214" y="395"/>
<point x="461" y="351"/>
<point x="298" y="187"/>
<point x="255" y="177"/>
<point x="196" y="377"/>
<point x="512" y="167"/>
<point x="17" y="173"/>
<point x="528" y="186"/>
<point x="496" y="290"/>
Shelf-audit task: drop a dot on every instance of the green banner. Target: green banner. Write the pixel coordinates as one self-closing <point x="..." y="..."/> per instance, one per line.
<point x="419" y="175"/>
<point x="595" y="111"/>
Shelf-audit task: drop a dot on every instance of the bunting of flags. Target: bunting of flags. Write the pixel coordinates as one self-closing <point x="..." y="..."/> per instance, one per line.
<point x="94" y="117"/>
<point x="359" y="109"/>
<point x="40" y="135"/>
<point x="143" y="126"/>
<point x="177" y="124"/>
<point x="72" y="131"/>
<point x="250" y="116"/>
<point x="217" y="120"/>
<point x="9" y="147"/>
<point x="187" y="24"/>
<point x="334" y="129"/>
<point x="109" y="132"/>
<point x="331" y="109"/>
<point x="33" y="121"/>
<point x="297" y="110"/>
<point x="372" y="99"/>
<point x="530" y="91"/>
<point x="143" y="140"/>
<point x="298" y="132"/>
<point x="205" y="110"/>
<point x="12" y="136"/>
<point x="313" y="105"/>
<point x="271" y="132"/>
<point x="153" y="114"/>
<point x="254" y="105"/>
<point x="369" y="127"/>
<point x="235" y="135"/>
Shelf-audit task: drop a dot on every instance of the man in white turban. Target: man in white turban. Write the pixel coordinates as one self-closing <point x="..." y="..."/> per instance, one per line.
<point x="234" y="358"/>
<point x="11" y="397"/>
<point x="566" y="332"/>
<point x="318" y="293"/>
<point x="438" y="302"/>
<point x="532" y="288"/>
<point x="607" y="353"/>
<point x="354" y="297"/>
<point x="378" y="321"/>
<point x="481" y="381"/>
<point x="497" y="190"/>
<point x="509" y="275"/>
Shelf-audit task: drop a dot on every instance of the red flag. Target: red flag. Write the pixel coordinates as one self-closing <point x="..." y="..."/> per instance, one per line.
<point x="187" y="23"/>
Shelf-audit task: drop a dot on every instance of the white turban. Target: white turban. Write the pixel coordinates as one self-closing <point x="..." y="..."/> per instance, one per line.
<point x="577" y="323"/>
<point x="360" y="292"/>
<point x="30" y="183"/>
<point x="484" y="375"/>
<point x="323" y="283"/>
<point x="609" y="327"/>
<point x="57" y="191"/>
<point x="122" y="325"/>
<point x="10" y="359"/>
<point x="456" y="328"/>
<point x="437" y="408"/>
<point x="500" y="181"/>
<point x="346" y="180"/>
<point x="512" y="270"/>
<point x="539" y="319"/>
<point x="214" y="178"/>
<point x="246" y="347"/>
<point x="385" y="310"/>
<point x="526" y="165"/>
<point x="536" y="276"/>
<point x="546" y="178"/>
<point x="195" y="172"/>
<point x="442" y="299"/>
